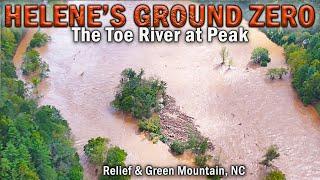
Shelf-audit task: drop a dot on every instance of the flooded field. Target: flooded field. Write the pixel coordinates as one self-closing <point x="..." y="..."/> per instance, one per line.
<point x="240" y="110"/>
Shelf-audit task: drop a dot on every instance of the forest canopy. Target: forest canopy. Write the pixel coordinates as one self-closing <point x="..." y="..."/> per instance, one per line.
<point x="137" y="95"/>
<point x="35" y="142"/>
<point x="302" y="51"/>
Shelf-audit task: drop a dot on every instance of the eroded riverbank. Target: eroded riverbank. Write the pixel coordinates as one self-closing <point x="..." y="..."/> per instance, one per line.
<point x="239" y="110"/>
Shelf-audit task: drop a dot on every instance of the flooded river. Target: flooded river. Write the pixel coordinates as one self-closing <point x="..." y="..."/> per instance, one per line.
<point x="240" y="110"/>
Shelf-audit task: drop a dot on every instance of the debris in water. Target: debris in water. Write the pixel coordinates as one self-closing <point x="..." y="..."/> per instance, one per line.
<point x="175" y="124"/>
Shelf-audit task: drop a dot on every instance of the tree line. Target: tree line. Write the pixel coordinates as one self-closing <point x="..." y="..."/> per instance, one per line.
<point x="302" y="52"/>
<point x="35" y="142"/>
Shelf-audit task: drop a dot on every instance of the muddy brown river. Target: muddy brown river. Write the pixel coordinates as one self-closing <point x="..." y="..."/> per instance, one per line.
<point x="240" y="110"/>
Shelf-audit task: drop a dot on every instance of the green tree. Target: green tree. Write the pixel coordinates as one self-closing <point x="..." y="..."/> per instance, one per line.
<point x="39" y="39"/>
<point x="35" y="142"/>
<point x="96" y="150"/>
<point x="137" y="95"/>
<point x="260" y="56"/>
<point x="31" y="62"/>
<point x="116" y="157"/>
<point x="275" y="175"/>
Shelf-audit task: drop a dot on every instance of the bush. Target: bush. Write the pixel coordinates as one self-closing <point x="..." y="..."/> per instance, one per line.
<point x="177" y="147"/>
<point x="214" y="177"/>
<point x="96" y="150"/>
<point x="163" y="139"/>
<point x="276" y="73"/>
<point x="264" y="64"/>
<point x="201" y="160"/>
<point x="137" y="95"/>
<point x="31" y="62"/>
<point x="303" y="56"/>
<point x="271" y="154"/>
<point x="275" y="175"/>
<point x="198" y="144"/>
<point x="116" y="157"/>
<point x="260" y="56"/>
<point x="39" y="39"/>
<point x="151" y="125"/>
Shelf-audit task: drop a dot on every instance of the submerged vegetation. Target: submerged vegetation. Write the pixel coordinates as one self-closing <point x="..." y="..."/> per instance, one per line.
<point x="35" y="143"/>
<point x="196" y="144"/>
<point x="274" y="173"/>
<point x="274" y="73"/>
<point x="260" y="56"/>
<point x="271" y="154"/>
<point x="224" y="54"/>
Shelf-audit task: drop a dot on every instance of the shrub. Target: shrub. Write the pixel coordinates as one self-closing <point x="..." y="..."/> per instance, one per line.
<point x="201" y="160"/>
<point x="151" y="125"/>
<point x="260" y="56"/>
<point x="275" y="175"/>
<point x="96" y="150"/>
<point x="137" y="95"/>
<point x="39" y="39"/>
<point x="35" y="81"/>
<point x="154" y="137"/>
<point x="214" y="177"/>
<point x="264" y="64"/>
<point x="271" y="154"/>
<point x="163" y="139"/>
<point x="31" y="62"/>
<point x="197" y="144"/>
<point x="276" y="73"/>
<point x="178" y="147"/>
<point x="116" y="157"/>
